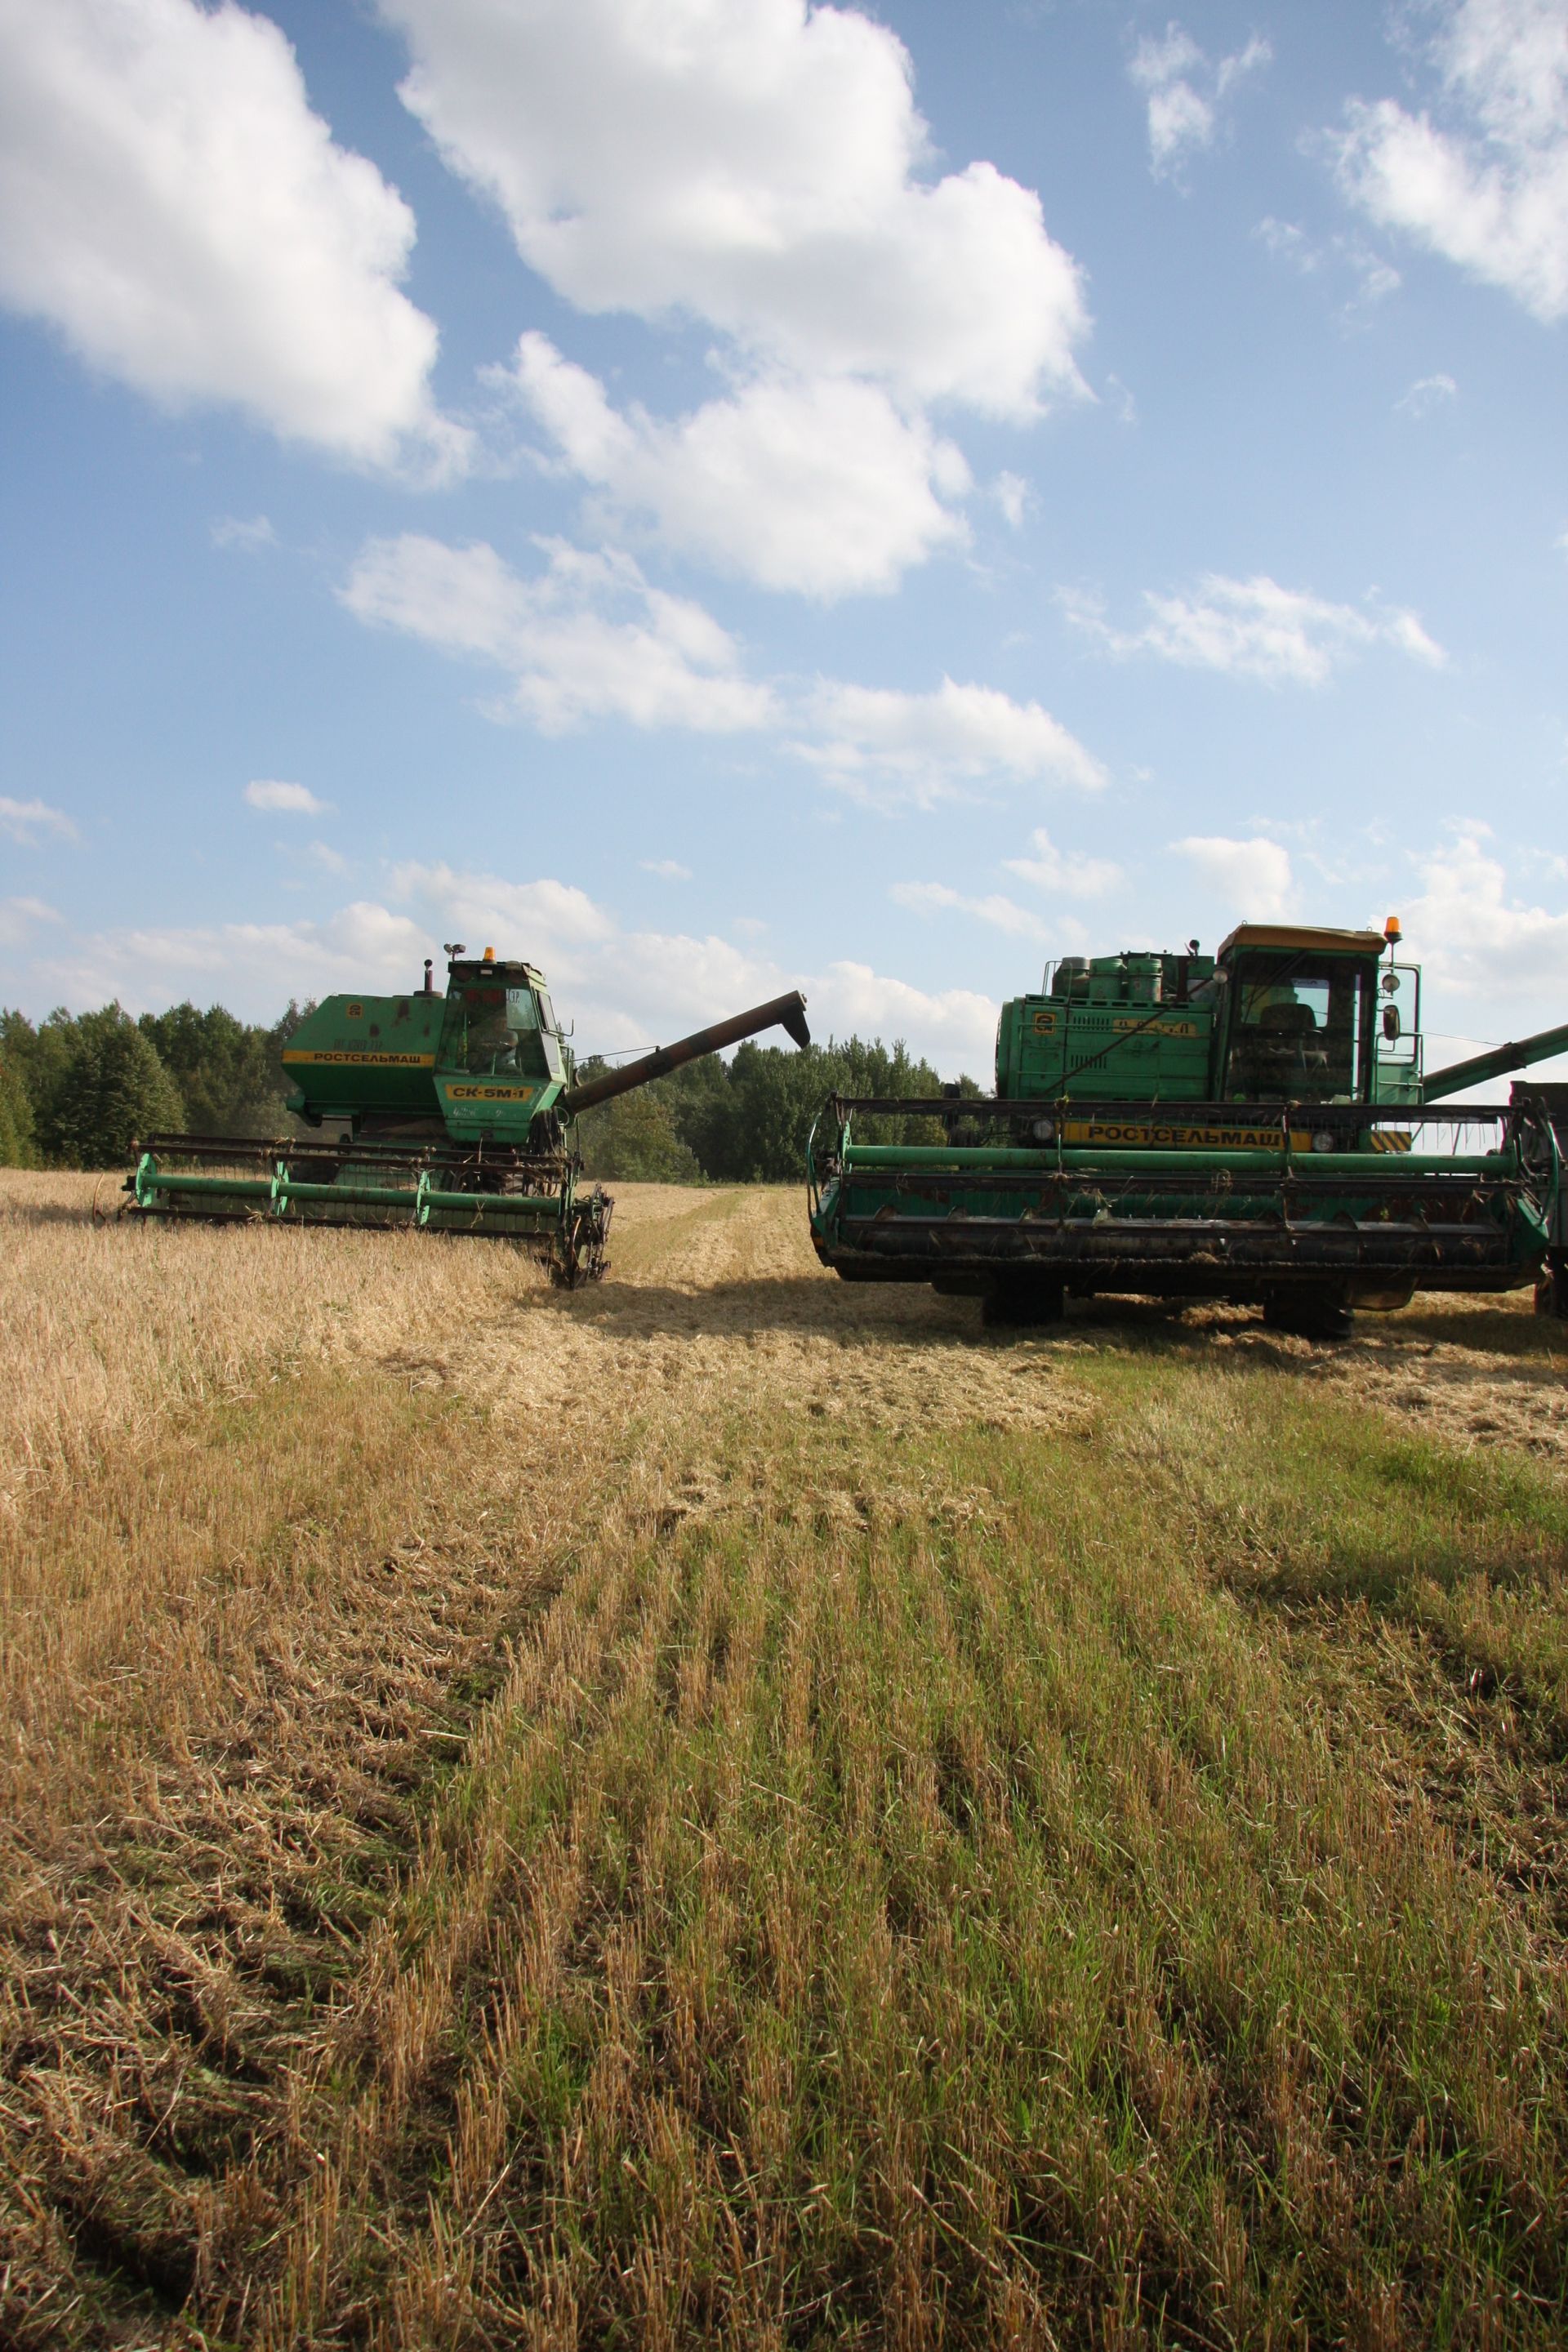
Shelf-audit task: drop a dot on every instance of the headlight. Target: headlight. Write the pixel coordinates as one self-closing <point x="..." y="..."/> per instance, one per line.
<point x="1322" y="1140"/>
<point x="1044" y="1130"/>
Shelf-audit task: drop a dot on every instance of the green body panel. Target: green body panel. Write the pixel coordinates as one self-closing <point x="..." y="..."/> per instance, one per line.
<point x="485" y="1060"/>
<point x="1096" y="1053"/>
<point x="1118" y="1030"/>
<point x="357" y="1054"/>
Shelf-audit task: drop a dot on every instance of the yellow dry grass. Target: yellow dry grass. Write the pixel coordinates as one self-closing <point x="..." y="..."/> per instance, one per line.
<point x="729" y="1807"/>
<point x="112" y="1325"/>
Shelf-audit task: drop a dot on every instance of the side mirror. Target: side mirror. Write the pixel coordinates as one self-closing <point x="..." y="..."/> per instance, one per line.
<point x="1391" y="1022"/>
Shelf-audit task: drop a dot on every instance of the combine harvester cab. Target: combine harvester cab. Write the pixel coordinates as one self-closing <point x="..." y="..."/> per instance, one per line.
<point x="1253" y="1125"/>
<point x="449" y="1113"/>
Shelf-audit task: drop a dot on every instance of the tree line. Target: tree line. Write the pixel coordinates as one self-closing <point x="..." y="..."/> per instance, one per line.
<point x="78" y="1091"/>
<point x="747" y="1120"/>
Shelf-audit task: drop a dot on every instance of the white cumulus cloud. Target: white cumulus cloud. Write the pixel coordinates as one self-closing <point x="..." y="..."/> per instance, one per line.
<point x="621" y="988"/>
<point x="953" y="1027"/>
<point x="884" y="745"/>
<point x="1476" y="935"/>
<point x="755" y="164"/>
<point x="325" y="859"/>
<point x="668" y="870"/>
<point x="557" y="916"/>
<point x="171" y="204"/>
<point x="284" y="799"/>
<point x="758" y="168"/>
<point x="29" y="821"/>
<point x="630" y="988"/>
<point x="254" y="968"/>
<point x="249" y="537"/>
<point x="1374" y="279"/>
<point x="1485" y="183"/>
<point x="934" y="898"/>
<point x="1256" y="628"/>
<point x="1013" y="497"/>
<point x="20" y="918"/>
<point x="1185" y="92"/>
<point x="1253" y="877"/>
<point x="585" y="636"/>
<point x="819" y="486"/>
<point x="1064" y="873"/>
<point x="1428" y="391"/>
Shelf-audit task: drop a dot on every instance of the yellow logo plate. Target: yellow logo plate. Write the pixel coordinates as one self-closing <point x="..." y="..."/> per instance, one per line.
<point x="399" y="1061"/>
<point x="491" y="1094"/>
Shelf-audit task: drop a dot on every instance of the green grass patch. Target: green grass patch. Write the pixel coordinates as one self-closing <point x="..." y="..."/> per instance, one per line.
<point x="1003" y="1939"/>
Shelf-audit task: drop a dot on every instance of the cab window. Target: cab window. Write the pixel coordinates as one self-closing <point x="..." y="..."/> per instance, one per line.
<point x="492" y="1032"/>
<point x="1297" y="1027"/>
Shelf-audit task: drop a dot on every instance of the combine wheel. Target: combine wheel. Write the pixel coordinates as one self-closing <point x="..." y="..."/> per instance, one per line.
<point x="1020" y="1300"/>
<point x="1309" y="1314"/>
<point x="584" y="1260"/>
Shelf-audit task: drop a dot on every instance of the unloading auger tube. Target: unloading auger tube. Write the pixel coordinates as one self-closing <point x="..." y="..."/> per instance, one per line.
<point x="787" y="1012"/>
<point x="446" y="1113"/>
<point x="1254" y="1125"/>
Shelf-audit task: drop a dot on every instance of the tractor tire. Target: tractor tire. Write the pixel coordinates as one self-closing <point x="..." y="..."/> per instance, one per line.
<point x="1023" y="1301"/>
<point x="1309" y="1314"/>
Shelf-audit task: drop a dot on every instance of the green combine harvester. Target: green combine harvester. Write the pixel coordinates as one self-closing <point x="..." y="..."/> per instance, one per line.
<point x="453" y="1114"/>
<point x="1253" y="1125"/>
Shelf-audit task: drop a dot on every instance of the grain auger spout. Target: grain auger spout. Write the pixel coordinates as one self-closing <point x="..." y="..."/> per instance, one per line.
<point x="451" y="1113"/>
<point x="787" y="1012"/>
<point x="1518" y="1055"/>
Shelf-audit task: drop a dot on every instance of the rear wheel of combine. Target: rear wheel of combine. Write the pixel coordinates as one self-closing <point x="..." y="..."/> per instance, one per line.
<point x="1022" y="1300"/>
<point x="1309" y="1314"/>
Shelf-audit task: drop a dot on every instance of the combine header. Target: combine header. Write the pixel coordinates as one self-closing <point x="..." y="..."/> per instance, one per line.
<point x="454" y="1114"/>
<point x="1250" y="1125"/>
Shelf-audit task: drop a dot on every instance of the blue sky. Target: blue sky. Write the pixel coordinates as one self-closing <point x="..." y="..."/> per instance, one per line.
<point x="719" y="495"/>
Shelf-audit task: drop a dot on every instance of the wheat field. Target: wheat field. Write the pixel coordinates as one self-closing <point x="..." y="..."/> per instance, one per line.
<point x="729" y="1808"/>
